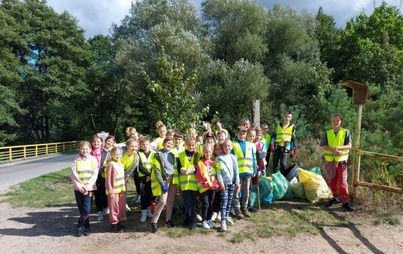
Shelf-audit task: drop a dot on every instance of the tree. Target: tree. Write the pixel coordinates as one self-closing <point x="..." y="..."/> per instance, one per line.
<point x="174" y="96"/>
<point x="53" y="58"/>
<point x="237" y="28"/>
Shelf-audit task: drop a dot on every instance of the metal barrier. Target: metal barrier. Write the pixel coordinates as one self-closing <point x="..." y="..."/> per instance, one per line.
<point x="11" y="153"/>
<point x="360" y="94"/>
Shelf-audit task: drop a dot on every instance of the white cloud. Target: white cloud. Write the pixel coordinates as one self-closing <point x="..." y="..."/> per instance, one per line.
<point x="97" y="16"/>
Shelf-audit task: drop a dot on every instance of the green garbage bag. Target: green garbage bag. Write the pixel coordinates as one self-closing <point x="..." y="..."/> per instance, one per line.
<point x="281" y="187"/>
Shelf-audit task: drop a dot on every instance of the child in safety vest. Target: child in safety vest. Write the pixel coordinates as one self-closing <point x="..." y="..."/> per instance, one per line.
<point x="116" y="190"/>
<point x="228" y="178"/>
<point x="185" y="176"/>
<point x="207" y="183"/>
<point x="84" y="173"/>
<point x="161" y="177"/>
<point x="336" y="145"/>
<point x="245" y="152"/>
<point x="130" y="161"/>
<point x="101" y="200"/>
<point x="161" y="129"/>
<point x="146" y="157"/>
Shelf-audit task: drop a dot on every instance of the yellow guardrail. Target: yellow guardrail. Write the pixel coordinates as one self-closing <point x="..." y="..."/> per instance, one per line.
<point x="11" y="153"/>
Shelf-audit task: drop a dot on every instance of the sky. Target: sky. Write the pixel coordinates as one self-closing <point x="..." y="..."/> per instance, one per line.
<point x="97" y="16"/>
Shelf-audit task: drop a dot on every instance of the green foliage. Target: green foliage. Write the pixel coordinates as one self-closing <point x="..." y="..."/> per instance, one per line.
<point x="174" y="96"/>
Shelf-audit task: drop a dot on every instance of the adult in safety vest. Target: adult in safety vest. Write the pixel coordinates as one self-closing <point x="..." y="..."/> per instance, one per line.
<point x="283" y="142"/>
<point x="336" y="146"/>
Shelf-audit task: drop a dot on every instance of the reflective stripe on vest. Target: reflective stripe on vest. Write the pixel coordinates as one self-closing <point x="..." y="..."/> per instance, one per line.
<point x="333" y="141"/>
<point x="187" y="182"/>
<point x="119" y="183"/>
<point x="284" y="135"/>
<point x="155" y="185"/>
<point x="85" y="169"/>
<point x="146" y="162"/>
<point x="245" y="162"/>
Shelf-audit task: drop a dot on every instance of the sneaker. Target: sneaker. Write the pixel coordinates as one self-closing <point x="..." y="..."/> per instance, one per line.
<point x="223" y="226"/>
<point x="100" y="216"/>
<point x="230" y="221"/>
<point x="118" y="228"/>
<point x="246" y="213"/>
<point x="348" y="207"/>
<point x="154" y="227"/>
<point x="211" y="224"/>
<point x="106" y="210"/>
<point x="214" y="216"/>
<point x="219" y="216"/>
<point x="87" y="231"/>
<point x="205" y="225"/>
<point x="199" y="218"/>
<point x="128" y="208"/>
<point x="80" y="231"/>
<point x="169" y="224"/>
<point x="332" y="202"/>
<point x="149" y="213"/>
<point x="239" y="215"/>
<point x="143" y="216"/>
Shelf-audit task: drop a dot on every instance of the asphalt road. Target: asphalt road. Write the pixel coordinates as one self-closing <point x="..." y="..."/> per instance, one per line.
<point x="17" y="172"/>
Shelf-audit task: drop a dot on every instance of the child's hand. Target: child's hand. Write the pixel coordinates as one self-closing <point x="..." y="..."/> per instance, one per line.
<point x="164" y="188"/>
<point x="222" y="187"/>
<point x="183" y="171"/>
<point x="236" y="186"/>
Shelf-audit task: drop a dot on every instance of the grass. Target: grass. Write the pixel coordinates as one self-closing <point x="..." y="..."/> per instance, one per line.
<point x="48" y="190"/>
<point x="281" y="218"/>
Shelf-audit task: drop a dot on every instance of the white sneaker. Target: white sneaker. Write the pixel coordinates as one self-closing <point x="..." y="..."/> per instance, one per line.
<point x="224" y="226"/>
<point x="219" y="216"/>
<point x="199" y="218"/>
<point x="211" y="223"/>
<point x="106" y="210"/>
<point x="100" y="216"/>
<point x="214" y="216"/>
<point x="205" y="224"/>
<point x="128" y="208"/>
<point x="230" y="221"/>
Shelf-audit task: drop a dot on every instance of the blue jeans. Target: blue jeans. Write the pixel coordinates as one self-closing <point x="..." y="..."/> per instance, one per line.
<point x="226" y="200"/>
<point x="84" y="207"/>
<point x="189" y="199"/>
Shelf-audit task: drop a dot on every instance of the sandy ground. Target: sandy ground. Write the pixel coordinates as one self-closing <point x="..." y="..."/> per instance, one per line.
<point x="51" y="230"/>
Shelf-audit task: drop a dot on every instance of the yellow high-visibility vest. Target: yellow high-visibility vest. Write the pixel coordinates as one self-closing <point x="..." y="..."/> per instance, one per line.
<point x="85" y="169"/>
<point x="204" y="172"/>
<point x="155" y="185"/>
<point x="283" y="136"/>
<point x="119" y="183"/>
<point x="186" y="182"/>
<point x="333" y="141"/>
<point x="146" y="162"/>
<point x="245" y="162"/>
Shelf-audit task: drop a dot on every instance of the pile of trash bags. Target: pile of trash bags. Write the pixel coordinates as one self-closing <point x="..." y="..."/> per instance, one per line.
<point x="294" y="182"/>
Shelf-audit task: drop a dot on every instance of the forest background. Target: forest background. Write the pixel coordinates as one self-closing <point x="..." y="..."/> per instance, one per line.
<point x="165" y="61"/>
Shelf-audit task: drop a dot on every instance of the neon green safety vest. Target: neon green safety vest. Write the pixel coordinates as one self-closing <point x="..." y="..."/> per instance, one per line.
<point x="85" y="169"/>
<point x="155" y="185"/>
<point x="119" y="183"/>
<point x="333" y="141"/>
<point x="146" y="162"/>
<point x="186" y="182"/>
<point x="204" y="173"/>
<point x="284" y="135"/>
<point x="127" y="160"/>
<point x="245" y="162"/>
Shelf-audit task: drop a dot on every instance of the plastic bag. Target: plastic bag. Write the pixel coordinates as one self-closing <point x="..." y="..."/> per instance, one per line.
<point x="316" y="170"/>
<point x="265" y="190"/>
<point x="281" y="187"/>
<point x="315" y="186"/>
<point x="298" y="190"/>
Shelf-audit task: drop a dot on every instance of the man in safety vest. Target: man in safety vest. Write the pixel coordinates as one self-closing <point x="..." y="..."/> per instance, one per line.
<point x="336" y="145"/>
<point x="283" y="142"/>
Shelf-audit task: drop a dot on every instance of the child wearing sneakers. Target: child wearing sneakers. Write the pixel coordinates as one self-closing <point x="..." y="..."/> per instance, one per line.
<point x="161" y="175"/>
<point x="228" y="178"/>
<point x="84" y="173"/>
<point x="116" y="190"/>
<point x="244" y="151"/>
<point x="146" y="157"/>
<point x="207" y="183"/>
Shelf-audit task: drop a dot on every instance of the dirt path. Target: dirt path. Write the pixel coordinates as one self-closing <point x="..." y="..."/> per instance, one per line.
<point x="51" y="230"/>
